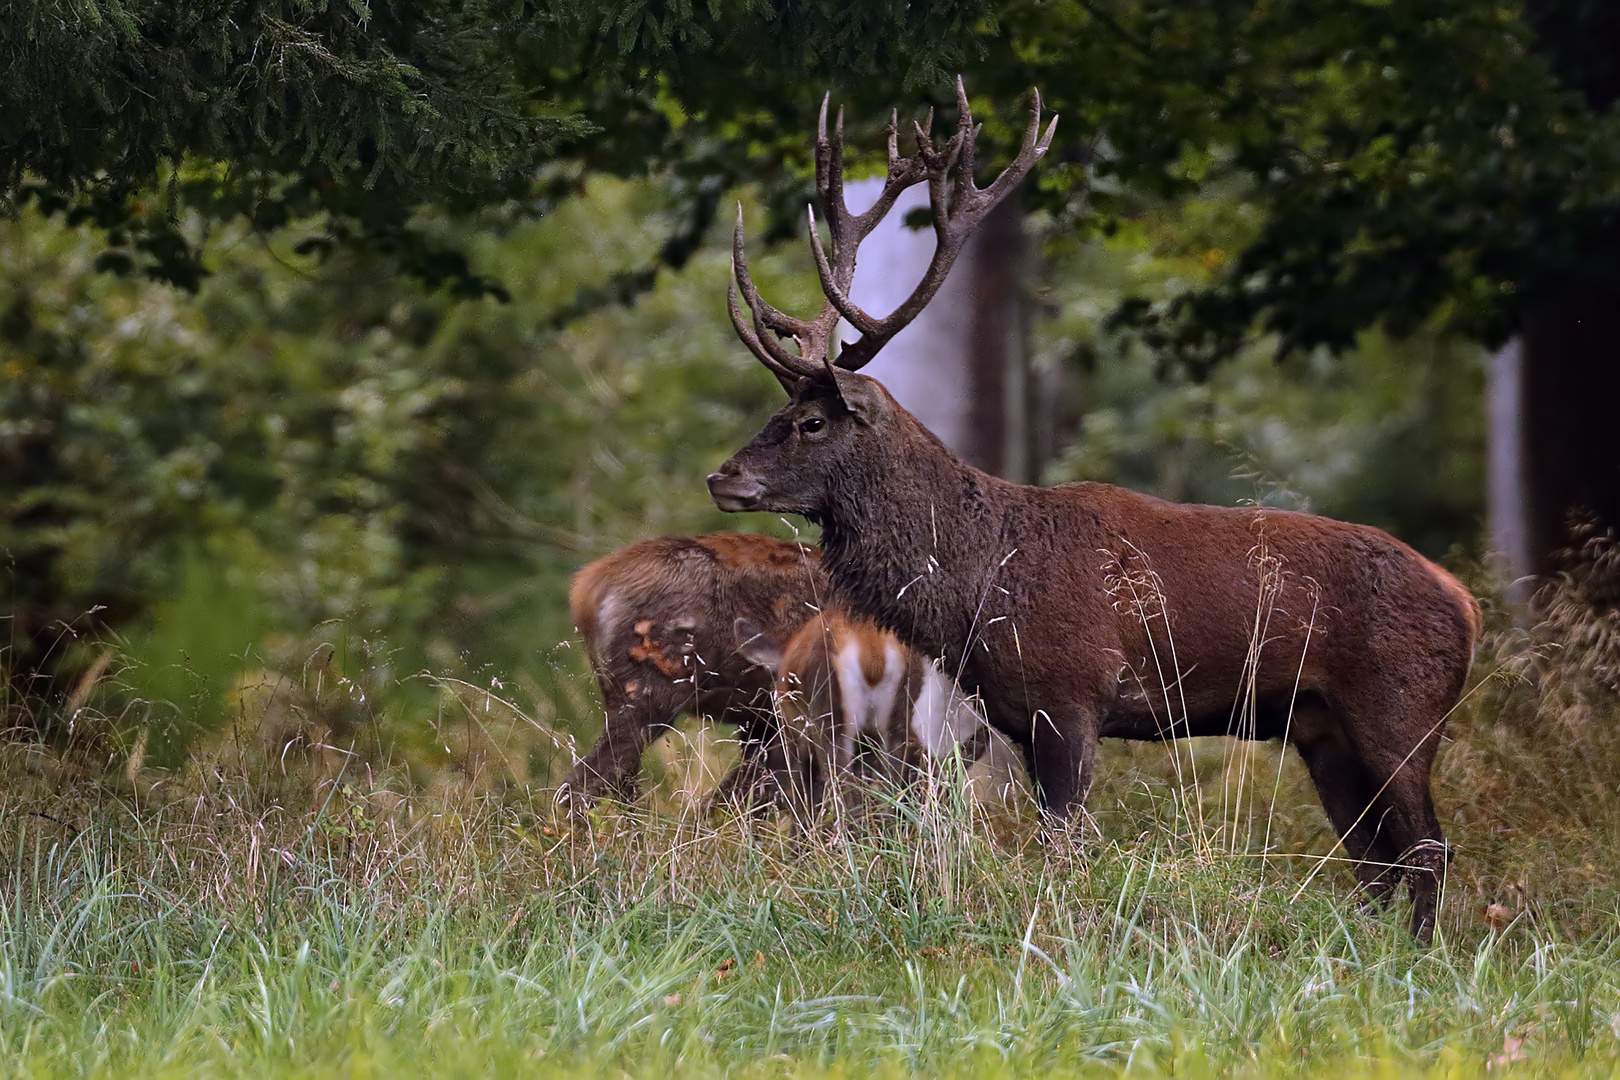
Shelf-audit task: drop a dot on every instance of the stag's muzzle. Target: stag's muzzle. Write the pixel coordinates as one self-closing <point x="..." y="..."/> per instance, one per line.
<point x="732" y="491"/>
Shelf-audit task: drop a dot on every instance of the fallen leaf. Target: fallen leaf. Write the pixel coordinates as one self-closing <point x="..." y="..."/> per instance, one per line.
<point x="726" y="968"/>
<point x="1496" y="916"/>
<point x="672" y="1000"/>
<point x="1512" y="1052"/>
<point x="759" y="959"/>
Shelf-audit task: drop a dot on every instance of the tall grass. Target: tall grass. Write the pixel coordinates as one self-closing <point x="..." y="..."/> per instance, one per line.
<point x="221" y="937"/>
<point x="334" y="916"/>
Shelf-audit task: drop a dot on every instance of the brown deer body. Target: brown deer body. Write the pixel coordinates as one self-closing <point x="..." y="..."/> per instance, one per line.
<point x="658" y="620"/>
<point x="853" y="702"/>
<point x="1087" y="610"/>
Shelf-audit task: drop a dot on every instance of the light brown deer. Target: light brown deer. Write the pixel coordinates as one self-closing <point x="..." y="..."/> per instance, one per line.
<point x="1087" y="610"/>
<point x="658" y="620"/>
<point x="855" y="704"/>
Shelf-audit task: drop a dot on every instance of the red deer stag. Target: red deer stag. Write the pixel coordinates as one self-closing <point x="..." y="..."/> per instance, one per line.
<point x="1087" y="610"/>
<point x="854" y="702"/>
<point x="657" y="617"/>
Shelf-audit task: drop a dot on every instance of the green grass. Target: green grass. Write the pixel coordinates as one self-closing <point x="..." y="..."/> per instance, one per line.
<point x="228" y="934"/>
<point x="315" y="915"/>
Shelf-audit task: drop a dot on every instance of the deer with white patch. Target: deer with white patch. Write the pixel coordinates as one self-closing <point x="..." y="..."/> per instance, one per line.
<point x="855" y="704"/>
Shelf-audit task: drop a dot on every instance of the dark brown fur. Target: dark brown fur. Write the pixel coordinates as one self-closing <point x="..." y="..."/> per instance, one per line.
<point x="657" y="617"/>
<point x="1088" y="610"/>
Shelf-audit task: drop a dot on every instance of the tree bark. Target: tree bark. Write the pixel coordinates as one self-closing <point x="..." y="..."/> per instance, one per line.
<point x="1571" y="420"/>
<point x="961" y="367"/>
<point x="998" y="422"/>
<point x="1505" y="498"/>
<point x="1554" y="459"/>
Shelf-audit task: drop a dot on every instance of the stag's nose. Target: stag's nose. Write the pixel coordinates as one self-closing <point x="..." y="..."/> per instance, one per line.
<point x="732" y="491"/>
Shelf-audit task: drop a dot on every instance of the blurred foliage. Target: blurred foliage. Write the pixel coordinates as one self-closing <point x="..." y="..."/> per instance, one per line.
<point x="1389" y="433"/>
<point x="128" y="114"/>
<point x="406" y="474"/>
<point x="125" y="113"/>
<point x="405" y="395"/>
<point x="1437" y="161"/>
<point x="1411" y="164"/>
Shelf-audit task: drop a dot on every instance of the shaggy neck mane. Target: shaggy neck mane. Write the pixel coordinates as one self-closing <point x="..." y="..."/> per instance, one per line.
<point x="911" y="536"/>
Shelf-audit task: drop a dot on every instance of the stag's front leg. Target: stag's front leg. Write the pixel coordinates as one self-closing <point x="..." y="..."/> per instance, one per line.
<point x="1060" y="753"/>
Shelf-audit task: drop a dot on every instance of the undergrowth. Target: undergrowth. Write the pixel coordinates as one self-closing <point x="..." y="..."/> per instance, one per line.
<point x="319" y="913"/>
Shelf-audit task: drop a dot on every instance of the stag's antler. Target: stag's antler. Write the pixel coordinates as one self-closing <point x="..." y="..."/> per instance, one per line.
<point x="958" y="206"/>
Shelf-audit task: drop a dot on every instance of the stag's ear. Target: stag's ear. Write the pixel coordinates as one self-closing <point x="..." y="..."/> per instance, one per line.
<point x="757" y="646"/>
<point x="859" y="395"/>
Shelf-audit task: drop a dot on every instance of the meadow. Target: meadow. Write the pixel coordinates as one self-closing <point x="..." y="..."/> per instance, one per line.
<point x="315" y="913"/>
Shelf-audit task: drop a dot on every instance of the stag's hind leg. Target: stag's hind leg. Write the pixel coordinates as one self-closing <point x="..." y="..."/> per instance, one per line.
<point x="1348" y="793"/>
<point x="1400" y="768"/>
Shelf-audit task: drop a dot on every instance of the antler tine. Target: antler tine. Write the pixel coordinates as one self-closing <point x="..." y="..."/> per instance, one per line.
<point x="846" y="229"/>
<point x="821" y="144"/>
<point x="925" y="137"/>
<point x="968" y="164"/>
<point x="779" y="321"/>
<point x="835" y="175"/>
<point x="958" y="206"/>
<point x="834" y="290"/>
<point x="830" y="158"/>
<point x="1033" y="149"/>
<point x="768" y="317"/>
<point x="752" y="339"/>
<point x="964" y="112"/>
<point x="762" y="343"/>
<point x="830" y="190"/>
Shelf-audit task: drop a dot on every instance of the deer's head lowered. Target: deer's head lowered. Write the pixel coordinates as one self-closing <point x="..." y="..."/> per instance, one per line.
<point x="837" y="417"/>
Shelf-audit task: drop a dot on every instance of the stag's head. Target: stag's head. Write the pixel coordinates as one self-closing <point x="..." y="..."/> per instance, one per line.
<point x="790" y="465"/>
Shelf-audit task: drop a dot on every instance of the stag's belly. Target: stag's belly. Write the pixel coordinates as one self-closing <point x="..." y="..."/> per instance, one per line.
<point x="1243" y="719"/>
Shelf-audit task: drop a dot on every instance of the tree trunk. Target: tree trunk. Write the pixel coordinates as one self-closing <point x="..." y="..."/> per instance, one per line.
<point x="998" y="421"/>
<point x="1505" y="498"/>
<point x="961" y="367"/>
<point x="1562" y="433"/>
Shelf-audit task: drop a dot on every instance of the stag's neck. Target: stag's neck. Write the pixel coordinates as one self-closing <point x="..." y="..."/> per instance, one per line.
<point x="914" y="539"/>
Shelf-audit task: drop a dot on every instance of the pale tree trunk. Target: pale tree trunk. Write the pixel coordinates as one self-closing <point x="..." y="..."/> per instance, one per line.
<point x="1504" y="467"/>
<point x="962" y="366"/>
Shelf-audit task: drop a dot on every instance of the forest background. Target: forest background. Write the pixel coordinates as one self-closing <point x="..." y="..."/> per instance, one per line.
<point x="336" y="337"/>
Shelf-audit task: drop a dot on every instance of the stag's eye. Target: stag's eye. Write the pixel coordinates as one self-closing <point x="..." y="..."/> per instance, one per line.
<point x="811" y="425"/>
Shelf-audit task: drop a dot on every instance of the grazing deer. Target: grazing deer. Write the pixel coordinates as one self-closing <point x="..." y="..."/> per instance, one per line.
<point x="853" y="701"/>
<point x="658" y="619"/>
<point x="1087" y="610"/>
